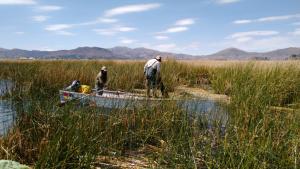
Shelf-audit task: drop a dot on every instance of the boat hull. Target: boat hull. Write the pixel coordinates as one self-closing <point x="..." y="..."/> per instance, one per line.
<point x="109" y="100"/>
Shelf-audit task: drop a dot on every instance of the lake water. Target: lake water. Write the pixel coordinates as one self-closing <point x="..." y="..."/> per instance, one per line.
<point x="7" y="112"/>
<point x="207" y="110"/>
<point x="7" y="116"/>
<point x="5" y="86"/>
<point x="210" y="111"/>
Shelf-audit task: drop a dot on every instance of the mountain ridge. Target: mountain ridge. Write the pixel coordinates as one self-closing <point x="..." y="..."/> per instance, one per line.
<point x="123" y="52"/>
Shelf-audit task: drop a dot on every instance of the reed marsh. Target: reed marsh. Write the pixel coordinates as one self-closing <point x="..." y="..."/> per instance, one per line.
<point x="256" y="136"/>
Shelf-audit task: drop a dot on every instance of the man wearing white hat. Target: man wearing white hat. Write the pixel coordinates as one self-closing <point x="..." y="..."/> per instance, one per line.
<point x="152" y="74"/>
<point x="101" y="80"/>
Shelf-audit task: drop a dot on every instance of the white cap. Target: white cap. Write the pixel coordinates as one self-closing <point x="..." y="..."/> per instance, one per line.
<point x="158" y="57"/>
<point x="104" y="68"/>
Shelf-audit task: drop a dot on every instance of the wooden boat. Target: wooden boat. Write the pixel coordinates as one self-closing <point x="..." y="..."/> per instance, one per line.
<point x="207" y="109"/>
<point x="119" y="100"/>
<point x="110" y="99"/>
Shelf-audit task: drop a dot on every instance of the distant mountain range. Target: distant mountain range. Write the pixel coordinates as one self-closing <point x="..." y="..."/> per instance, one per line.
<point x="143" y="53"/>
<point x="237" y="54"/>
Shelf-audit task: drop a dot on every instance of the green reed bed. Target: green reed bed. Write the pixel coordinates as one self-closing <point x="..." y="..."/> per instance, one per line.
<point x="256" y="135"/>
<point x="72" y="136"/>
<point x="46" y="77"/>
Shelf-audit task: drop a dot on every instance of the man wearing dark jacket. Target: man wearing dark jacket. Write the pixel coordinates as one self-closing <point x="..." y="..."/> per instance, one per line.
<point x="101" y="80"/>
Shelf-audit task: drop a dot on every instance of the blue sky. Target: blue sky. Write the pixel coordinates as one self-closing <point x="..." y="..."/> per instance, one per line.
<point x="182" y="26"/>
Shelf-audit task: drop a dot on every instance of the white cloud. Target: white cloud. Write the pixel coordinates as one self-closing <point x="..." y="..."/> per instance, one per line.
<point x="107" y="20"/>
<point x="251" y="34"/>
<point x="49" y="8"/>
<point x="190" y="48"/>
<point x="158" y="37"/>
<point x="270" y="43"/>
<point x="124" y="29"/>
<point x="131" y="9"/>
<point x="166" y="47"/>
<point x="179" y="26"/>
<point x="176" y="29"/>
<point x="114" y="30"/>
<point x="17" y="2"/>
<point x="183" y="22"/>
<point x="97" y="21"/>
<point x="258" y="44"/>
<point x="267" y="19"/>
<point x="226" y="1"/>
<point x="276" y="18"/>
<point x="40" y="18"/>
<point x="251" y="38"/>
<point x="20" y="33"/>
<point x="242" y="21"/>
<point x="58" y="27"/>
<point x="127" y="41"/>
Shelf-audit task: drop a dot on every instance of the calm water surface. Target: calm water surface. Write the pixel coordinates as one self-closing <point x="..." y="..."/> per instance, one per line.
<point x="207" y="110"/>
<point x="7" y="112"/>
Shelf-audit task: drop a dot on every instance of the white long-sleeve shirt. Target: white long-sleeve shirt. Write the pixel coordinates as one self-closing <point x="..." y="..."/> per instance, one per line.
<point x="155" y="64"/>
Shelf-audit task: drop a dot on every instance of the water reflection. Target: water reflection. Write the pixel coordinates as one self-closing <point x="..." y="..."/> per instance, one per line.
<point x="207" y="111"/>
<point x="7" y="116"/>
<point x="211" y="111"/>
<point x="7" y="112"/>
<point x="5" y="87"/>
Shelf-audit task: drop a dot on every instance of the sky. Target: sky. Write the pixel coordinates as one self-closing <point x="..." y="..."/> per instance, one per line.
<point x="182" y="26"/>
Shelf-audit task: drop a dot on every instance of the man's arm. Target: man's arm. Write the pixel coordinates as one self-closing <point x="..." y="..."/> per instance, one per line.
<point x="158" y="67"/>
<point x="145" y="67"/>
<point x="68" y="88"/>
<point x="98" y="78"/>
<point x="158" y="71"/>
